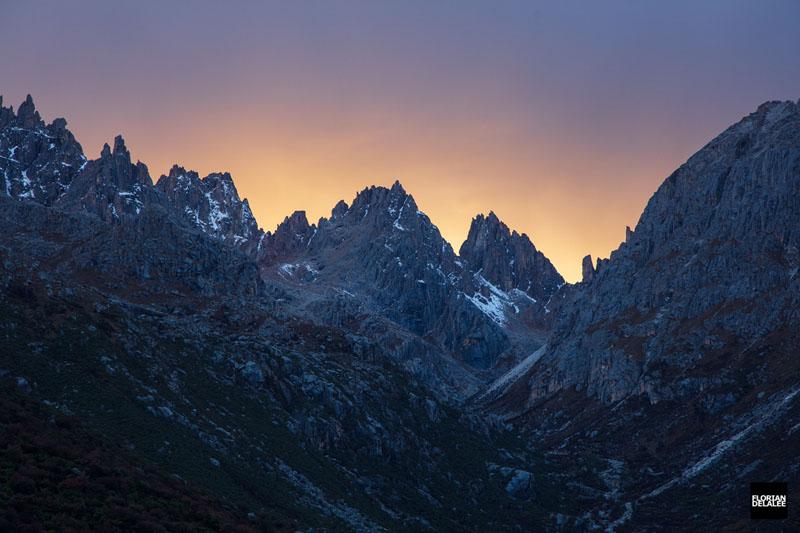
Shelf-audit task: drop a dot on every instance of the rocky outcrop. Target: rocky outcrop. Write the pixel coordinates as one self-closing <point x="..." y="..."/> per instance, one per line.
<point x="38" y="161"/>
<point x="212" y="204"/>
<point x="508" y="260"/>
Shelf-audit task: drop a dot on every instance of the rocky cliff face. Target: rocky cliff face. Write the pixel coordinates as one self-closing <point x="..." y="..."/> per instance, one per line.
<point x="711" y="265"/>
<point x="683" y="340"/>
<point x="212" y="204"/>
<point x="508" y="260"/>
<point x="38" y="161"/>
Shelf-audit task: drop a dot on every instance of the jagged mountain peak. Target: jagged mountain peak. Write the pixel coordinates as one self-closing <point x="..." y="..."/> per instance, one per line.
<point x="120" y="150"/>
<point x="178" y="178"/>
<point x="386" y="254"/>
<point x="491" y="217"/>
<point x="294" y="226"/>
<point x="393" y="210"/>
<point x="490" y="223"/>
<point x="37" y="161"/>
<point x="112" y="186"/>
<point x="177" y="170"/>
<point x="398" y="188"/>
<point x="377" y="216"/>
<point x="508" y="259"/>
<point x="296" y="220"/>
<point x="118" y="167"/>
<point x="295" y="223"/>
<point x="27" y="114"/>
<point x="339" y="209"/>
<point x="291" y="238"/>
<point x="378" y="195"/>
<point x="119" y="147"/>
<point x="212" y="204"/>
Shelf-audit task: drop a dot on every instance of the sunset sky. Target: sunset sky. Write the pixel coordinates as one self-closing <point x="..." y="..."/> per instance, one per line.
<point x="562" y="117"/>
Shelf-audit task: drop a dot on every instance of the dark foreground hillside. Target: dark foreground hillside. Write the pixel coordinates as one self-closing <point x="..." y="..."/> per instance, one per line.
<point x="57" y="475"/>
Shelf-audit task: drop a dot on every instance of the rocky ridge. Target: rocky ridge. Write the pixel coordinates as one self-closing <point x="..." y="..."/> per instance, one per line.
<point x="385" y="253"/>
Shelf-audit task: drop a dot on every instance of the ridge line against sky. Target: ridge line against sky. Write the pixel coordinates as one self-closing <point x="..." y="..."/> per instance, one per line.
<point x="563" y="121"/>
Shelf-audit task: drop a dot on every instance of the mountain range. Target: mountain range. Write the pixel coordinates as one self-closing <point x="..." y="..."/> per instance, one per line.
<point x="357" y="373"/>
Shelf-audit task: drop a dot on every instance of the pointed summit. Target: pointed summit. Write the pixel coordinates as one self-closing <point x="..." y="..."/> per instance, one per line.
<point x="397" y="188"/>
<point x="380" y="203"/>
<point x="339" y="209"/>
<point x="112" y="187"/>
<point x="27" y="114"/>
<point x="291" y="237"/>
<point x="119" y="147"/>
<point x="508" y="260"/>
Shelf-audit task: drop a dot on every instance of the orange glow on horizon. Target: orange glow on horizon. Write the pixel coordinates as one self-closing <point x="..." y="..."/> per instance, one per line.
<point x="571" y="198"/>
<point x="563" y="121"/>
<point x="569" y="203"/>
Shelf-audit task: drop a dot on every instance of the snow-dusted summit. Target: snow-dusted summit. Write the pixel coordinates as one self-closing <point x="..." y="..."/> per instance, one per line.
<point x="212" y="204"/>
